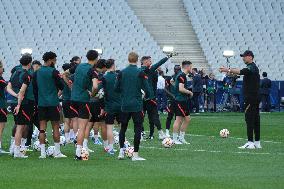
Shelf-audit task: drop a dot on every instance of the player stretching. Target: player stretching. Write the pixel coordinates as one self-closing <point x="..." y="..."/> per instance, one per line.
<point x="47" y="82"/>
<point x="112" y="102"/>
<point x="181" y="104"/>
<point x="129" y="84"/>
<point x="84" y="79"/>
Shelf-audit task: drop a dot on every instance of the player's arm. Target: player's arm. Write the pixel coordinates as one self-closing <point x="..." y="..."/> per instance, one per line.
<point x="145" y="84"/>
<point x="234" y="71"/>
<point x="95" y="81"/>
<point x="158" y="64"/>
<point x="35" y="86"/>
<point x="58" y="80"/>
<point x="181" y="88"/>
<point x="26" y="83"/>
<point x="117" y="85"/>
<point x="11" y="91"/>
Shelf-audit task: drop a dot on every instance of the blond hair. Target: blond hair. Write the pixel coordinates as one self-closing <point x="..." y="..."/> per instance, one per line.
<point x="133" y="57"/>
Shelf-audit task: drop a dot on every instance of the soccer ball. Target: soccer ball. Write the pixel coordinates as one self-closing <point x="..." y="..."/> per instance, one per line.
<point x="100" y="94"/>
<point x="50" y="151"/>
<point x="167" y="142"/>
<point x="126" y="144"/>
<point x="224" y="133"/>
<point x="23" y="150"/>
<point x="129" y="151"/>
<point x="85" y="154"/>
<point x="62" y="141"/>
<point x="36" y="146"/>
<point x="116" y="140"/>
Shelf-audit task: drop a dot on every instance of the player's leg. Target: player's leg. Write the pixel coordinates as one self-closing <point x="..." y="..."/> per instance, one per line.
<point x="3" y="120"/>
<point x="12" y="141"/>
<point x="96" y="139"/>
<point x="137" y="120"/>
<point x="250" y="119"/>
<point x="42" y="116"/>
<point x="170" y="110"/>
<point x="87" y="135"/>
<point x="109" y="121"/>
<point x="124" y="118"/>
<point x="257" y="128"/>
<point x="18" y="137"/>
<point x="67" y="123"/>
<point x="104" y="134"/>
<point x="180" y="114"/>
<point x="183" y="129"/>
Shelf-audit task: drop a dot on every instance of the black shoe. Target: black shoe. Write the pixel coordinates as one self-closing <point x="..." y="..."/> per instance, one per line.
<point x="150" y="137"/>
<point x="78" y="158"/>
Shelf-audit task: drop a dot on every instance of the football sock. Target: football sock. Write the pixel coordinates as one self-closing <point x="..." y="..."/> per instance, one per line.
<point x="17" y="149"/>
<point x="67" y="136"/>
<point x="175" y="136"/>
<point x="71" y="133"/>
<point x="105" y="143"/>
<point x="78" y="150"/>
<point x="181" y="135"/>
<point x="42" y="149"/>
<point x="85" y="143"/>
<point x="110" y="147"/>
<point x="56" y="148"/>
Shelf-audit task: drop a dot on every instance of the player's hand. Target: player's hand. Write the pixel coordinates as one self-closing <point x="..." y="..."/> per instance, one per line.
<point x="16" y="110"/>
<point x="223" y="69"/>
<point x="170" y="55"/>
<point x="90" y="93"/>
<point x="190" y="94"/>
<point x="102" y="113"/>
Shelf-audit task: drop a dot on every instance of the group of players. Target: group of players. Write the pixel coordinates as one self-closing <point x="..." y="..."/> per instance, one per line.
<point x="36" y="90"/>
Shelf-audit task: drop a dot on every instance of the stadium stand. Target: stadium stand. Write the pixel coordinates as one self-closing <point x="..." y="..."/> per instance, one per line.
<point x="257" y="25"/>
<point x="71" y="28"/>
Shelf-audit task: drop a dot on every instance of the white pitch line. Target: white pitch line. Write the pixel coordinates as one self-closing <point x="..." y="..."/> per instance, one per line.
<point x="213" y="151"/>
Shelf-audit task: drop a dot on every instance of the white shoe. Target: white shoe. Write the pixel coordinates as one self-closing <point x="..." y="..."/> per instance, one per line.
<point x="3" y="151"/>
<point x="20" y="155"/>
<point x="60" y="155"/>
<point x="11" y="149"/>
<point x="121" y="154"/>
<point x="177" y="142"/>
<point x="42" y="156"/>
<point x="248" y="145"/>
<point x="257" y="144"/>
<point x="168" y="133"/>
<point x="161" y="135"/>
<point x="183" y="141"/>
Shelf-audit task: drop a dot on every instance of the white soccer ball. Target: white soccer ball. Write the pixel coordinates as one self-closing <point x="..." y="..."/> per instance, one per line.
<point x="167" y="142"/>
<point x="36" y="146"/>
<point x="129" y="151"/>
<point x="116" y="140"/>
<point x="50" y="151"/>
<point x="62" y="141"/>
<point x="224" y="133"/>
<point x="23" y="150"/>
<point x="100" y="94"/>
<point x="85" y="154"/>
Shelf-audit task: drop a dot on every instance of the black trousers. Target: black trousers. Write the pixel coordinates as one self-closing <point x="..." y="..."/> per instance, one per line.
<point x="150" y="106"/>
<point x="137" y="118"/>
<point x="252" y="120"/>
<point x="196" y="101"/>
<point x="265" y="101"/>
<point x="171" y="114"/>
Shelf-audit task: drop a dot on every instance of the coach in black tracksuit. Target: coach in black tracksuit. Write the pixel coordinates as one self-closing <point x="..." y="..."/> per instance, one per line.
<point x="265" y="86"/>
<point x="251" y="83"/>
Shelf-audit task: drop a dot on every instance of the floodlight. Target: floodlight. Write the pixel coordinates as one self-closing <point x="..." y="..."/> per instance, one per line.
<point x="26" y="51"/>
<point x="228" y="53"/>
<point x="100" y="51"/>
<point x="168" y="49"/>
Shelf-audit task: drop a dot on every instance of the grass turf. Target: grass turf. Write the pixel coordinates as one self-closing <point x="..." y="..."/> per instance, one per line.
<point x="208" y="162"/>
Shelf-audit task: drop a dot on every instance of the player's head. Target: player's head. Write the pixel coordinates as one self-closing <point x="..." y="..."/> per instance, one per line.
<point x="36" y="65"/>
<point x="92" y="56"/>
<point x="211" y="76"/>
<point x="264" y="74"/>
<point x="194" y="70"/>
<point x="248" y="56"/>
<point x="1" y="67"/>
<point x="75" y="60"/>
<point x="146" y="61"/>
<point x="101" y="65"/>
<point x="66" y="66"/>
<point x="133" y="58"/>
<point x="110" y="65"/>
<point x="186" y="66"/>
<point x="177" y="68"/>
<point x="26" y="60"/>
<point x="49" y="58"/>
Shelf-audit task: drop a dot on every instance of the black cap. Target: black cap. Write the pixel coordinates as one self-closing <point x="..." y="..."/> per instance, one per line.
<point x="247" y="53"/>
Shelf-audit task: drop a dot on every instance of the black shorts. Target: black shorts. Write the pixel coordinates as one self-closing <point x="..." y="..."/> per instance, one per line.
<point x="111" y="117"/>
<point x="171" y="107"/>
<point x="96" y="108"/>
<point x="67" y="112"/>
<point x="80" y="110"/>
<point x="3" y="115"/>
<point x="137" y="117"/>
<point x="181" y="108"/>
<point x="25" y="115"/>
<point x="49" y="113"/>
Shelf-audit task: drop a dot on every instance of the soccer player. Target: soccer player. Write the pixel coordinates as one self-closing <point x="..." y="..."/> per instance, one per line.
<point x="170" y="90"/>
<point x="251" y="82"/>
<point x="24" y="109"/>
<point x="84" y="85"/>
<point x="150" y="104"/>
<point x="3" y="110"/>
<point x="112" y="102"/>
<point x="47" y="82"/>
<point x="181" y="104"/>
<point x="129" y="83"/>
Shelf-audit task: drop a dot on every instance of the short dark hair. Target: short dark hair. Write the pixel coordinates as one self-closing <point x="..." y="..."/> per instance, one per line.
<point x="66" y="66"/>
<point x="145" y="58"/>
<point x="26" y="59"/>
<point x="74" y="58"/>
<point x="109" y="63"/>
<point x="48" y="56"/>
<point x="36" y="62"/>
<point x="101" y="63"/>
<point x="92" y="55"/>
<point x="186" y="62"/>
<point x="264" y="74"/>
<point x="195" y="69"/>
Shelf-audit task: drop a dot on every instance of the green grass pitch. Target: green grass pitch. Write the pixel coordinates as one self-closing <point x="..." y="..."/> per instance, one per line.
<point x="208" y="162"/>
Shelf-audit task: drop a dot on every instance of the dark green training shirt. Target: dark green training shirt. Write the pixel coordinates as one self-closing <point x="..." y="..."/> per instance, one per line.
<point x="47" y="82"/>
<point x="180" y="78"/>
<point x="112" y="98"/>
<point x="3" y="85"/>
<point x="129" y="83"/>
<point x="151" y="74"/>
<point x="66" y="92"/>
<point x="83" y="76"/>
